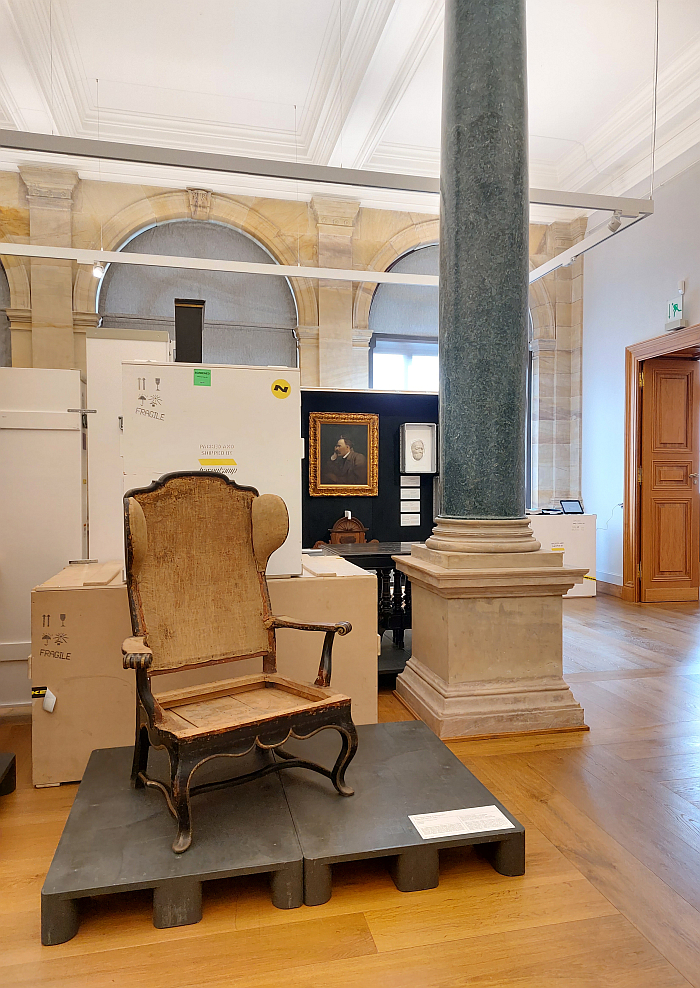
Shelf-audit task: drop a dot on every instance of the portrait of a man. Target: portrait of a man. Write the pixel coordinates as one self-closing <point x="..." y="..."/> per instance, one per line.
<point x="345" y="465"/>
<point x="343" y="454"/>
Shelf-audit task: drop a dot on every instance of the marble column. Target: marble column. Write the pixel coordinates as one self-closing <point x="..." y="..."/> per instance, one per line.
<point x="336" y="357"/>
<point x="487" y="611"/>
<point x="50" y="199"/>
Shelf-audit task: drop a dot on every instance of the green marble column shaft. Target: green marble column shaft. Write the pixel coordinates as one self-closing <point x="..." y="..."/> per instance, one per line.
<point x="483" y="260"/>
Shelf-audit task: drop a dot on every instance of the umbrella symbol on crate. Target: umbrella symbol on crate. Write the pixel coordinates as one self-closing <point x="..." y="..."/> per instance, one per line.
<point x="46" y="639"/>
<point x="142" y="398"/>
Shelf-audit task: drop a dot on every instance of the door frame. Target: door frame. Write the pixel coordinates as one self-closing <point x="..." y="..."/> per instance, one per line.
<point x="678" y="343"/>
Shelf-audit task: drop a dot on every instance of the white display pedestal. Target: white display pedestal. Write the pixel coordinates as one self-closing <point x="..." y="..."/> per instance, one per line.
<point x="574" y="537"/>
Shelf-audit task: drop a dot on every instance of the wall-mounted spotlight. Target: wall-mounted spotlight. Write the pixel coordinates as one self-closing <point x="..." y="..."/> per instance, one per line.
<point x="98" y="269"/>
<point x="615" y="222"/>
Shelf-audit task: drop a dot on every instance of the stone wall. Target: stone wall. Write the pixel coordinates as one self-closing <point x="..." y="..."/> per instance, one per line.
<point x="53" y="303"/>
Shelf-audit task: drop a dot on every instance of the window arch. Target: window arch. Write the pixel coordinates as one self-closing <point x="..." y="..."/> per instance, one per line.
<point x="403" y="320"/>
<point x="248" y="319"/>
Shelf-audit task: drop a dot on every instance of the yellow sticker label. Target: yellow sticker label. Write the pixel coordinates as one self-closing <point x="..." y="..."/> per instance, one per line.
<point x="281" y="388"/>
<point x="220" y="462"/>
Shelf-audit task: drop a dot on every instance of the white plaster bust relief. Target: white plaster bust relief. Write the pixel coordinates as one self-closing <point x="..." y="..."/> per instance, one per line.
<point x="417" y="449"/>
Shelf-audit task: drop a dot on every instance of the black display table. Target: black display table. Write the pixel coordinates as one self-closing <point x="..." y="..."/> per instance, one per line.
<point x="292" y="825"/>
<point x="393" y="587"/>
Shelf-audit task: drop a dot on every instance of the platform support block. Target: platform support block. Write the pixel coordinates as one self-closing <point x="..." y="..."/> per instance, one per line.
<point x="318" y="883"/>
<point x="507" y="857"/>
<point x="416" y="868"/>
<point x="59" y="919"/>
<point x="177" y="903"/>
<point x="286" y="886"/>
<point x="8" y="773"/>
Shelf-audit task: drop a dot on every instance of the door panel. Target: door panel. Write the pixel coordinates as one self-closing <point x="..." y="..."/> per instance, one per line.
<point x="670" y="515"/>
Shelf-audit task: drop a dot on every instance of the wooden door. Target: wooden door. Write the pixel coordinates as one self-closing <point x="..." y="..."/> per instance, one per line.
<point x="670" y="505"/>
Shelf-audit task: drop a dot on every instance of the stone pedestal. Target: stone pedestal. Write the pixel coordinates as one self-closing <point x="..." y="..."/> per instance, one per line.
<point x="487" y="631"/>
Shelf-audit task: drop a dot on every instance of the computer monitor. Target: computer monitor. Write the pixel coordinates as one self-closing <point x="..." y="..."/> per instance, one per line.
<point x="571" y="507"/>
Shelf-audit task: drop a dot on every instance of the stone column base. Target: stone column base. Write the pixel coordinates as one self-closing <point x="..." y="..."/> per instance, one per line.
<point x="488" y="707"/>
<point x="487" y="641"/>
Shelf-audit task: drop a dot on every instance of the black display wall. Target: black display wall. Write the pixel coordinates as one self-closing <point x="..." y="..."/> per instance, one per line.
<point x="381" y="514"/>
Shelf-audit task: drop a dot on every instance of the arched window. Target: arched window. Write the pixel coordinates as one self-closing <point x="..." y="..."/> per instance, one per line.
<point x="248" y="319"/>
<point x="5" y="339"/>
<point x="404" y="324"/>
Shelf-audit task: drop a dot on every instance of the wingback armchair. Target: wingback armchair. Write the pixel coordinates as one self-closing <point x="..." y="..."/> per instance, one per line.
<point x="197" y="547"/>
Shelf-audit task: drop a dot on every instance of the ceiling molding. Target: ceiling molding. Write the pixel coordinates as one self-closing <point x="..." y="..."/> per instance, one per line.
<point x="616" y="150"/>
<point x="348" y="68"/>
<point x="428" y="30"/>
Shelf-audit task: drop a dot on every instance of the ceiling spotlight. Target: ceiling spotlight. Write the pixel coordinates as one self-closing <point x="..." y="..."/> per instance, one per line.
<point x="98" y="269"/>
<point x="616" y="221"/>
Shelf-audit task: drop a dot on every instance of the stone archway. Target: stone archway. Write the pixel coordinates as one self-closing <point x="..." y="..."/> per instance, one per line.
<point x="188" y="204"/>
<point x="19" y="311"/>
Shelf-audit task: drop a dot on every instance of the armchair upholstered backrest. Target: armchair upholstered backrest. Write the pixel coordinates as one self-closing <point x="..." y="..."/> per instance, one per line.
<point x="197" y="548"/>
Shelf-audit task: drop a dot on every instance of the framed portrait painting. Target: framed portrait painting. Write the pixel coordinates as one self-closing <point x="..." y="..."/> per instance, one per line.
<point x="343" y="454"/>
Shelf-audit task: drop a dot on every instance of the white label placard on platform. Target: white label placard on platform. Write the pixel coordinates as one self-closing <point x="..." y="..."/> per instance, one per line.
<point x="453" y="823"/>
<point x="244" y="422"/>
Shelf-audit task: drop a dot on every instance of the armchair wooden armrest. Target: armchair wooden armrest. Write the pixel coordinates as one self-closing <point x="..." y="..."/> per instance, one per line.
<point x="136" y="654"/>
<point x="339" y="628"/>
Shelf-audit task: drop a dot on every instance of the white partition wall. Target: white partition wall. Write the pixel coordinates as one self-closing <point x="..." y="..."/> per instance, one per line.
<point x="43" y="495"/>
<point x="244" y="422"/>
<point x="106" y="349"/>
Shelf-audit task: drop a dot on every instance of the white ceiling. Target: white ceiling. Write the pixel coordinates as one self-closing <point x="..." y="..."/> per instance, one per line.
<point x="346" y="82"/>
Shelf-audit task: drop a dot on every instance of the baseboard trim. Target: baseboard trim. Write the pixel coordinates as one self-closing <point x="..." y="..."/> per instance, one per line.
<point x="518" y="734"/>
<point x="609" y="589"/>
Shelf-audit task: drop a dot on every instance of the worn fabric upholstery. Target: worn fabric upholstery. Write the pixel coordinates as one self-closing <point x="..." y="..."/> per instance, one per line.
<point x="200" y="596"/>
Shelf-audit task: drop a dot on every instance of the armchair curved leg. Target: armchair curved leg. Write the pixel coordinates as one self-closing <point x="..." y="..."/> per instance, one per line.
<point x="348" y="749"/>
<point x="180" y="774"/>
<point x="140" y="763"/>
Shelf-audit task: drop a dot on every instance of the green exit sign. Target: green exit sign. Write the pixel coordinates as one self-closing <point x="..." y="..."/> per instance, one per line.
<point x="675" y="309"/>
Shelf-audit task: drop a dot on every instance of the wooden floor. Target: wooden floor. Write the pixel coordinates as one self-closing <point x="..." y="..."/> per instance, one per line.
<point x="611" y="895"/>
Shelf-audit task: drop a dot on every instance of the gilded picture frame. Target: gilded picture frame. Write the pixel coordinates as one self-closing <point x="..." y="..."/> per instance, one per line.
<point x="343" y="454"/>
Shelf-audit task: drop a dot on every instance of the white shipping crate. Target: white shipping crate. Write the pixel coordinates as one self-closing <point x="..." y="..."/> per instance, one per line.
<point x="106" y="349"/>
<point x="574" y="537"/>
<point x="244" y="422"/>
<point x="43" y="498"/>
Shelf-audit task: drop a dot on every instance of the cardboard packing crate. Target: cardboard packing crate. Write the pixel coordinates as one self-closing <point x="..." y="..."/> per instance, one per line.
<point x="80" y="617"/>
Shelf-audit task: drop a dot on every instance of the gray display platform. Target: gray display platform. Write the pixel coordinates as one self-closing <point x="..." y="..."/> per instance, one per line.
<point x="118" y="839"/>
<point x="8" y="773"/>
<point x="400" y="770"/>
<point x="292" y="825"/>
